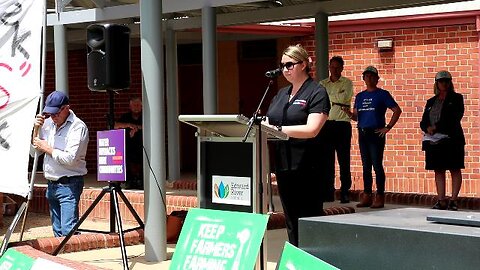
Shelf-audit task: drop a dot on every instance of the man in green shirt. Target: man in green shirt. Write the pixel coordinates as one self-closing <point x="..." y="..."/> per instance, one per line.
<point x="338" y="129"/>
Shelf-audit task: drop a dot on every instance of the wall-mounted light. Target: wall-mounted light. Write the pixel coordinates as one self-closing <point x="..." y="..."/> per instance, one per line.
<point x="385" y="44"/>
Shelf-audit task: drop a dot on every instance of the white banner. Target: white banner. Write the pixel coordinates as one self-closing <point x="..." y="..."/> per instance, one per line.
<point x="20" y="87"/>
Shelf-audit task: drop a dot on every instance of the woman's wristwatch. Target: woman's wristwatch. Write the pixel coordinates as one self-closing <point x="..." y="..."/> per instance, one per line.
<point x="388" y="126"/>
<point x="279" y="128"/>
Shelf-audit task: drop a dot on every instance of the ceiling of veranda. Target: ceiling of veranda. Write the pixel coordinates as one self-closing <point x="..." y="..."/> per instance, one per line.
<point x="185" y="15"/>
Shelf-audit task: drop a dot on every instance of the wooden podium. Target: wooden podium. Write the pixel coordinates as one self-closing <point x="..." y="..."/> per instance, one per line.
<point x="233" y="172"/>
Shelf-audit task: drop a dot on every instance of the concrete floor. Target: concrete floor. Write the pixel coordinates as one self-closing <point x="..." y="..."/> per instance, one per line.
<point x="112" y="258"/>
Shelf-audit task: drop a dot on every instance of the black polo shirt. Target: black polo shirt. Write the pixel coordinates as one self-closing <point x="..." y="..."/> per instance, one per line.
<point x="296" y="153"/>
<point x="133" y="145"/>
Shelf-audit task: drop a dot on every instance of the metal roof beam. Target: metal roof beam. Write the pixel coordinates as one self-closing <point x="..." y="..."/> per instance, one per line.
<point x="132" y="10"/>
<point x="94" y="15"/>
<point x="99" y="3"/>
<point x="302" y="11"/>
<point x="185" y="5"/>
<point x="237" y="18"/>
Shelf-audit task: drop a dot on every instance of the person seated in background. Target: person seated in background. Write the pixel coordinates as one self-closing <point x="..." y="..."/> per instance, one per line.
<point x="132" y="123"/>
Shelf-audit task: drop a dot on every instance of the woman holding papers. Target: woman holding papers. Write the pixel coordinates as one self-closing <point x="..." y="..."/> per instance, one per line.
<point x="444" y="141"/>
<point x="300" y="110"/>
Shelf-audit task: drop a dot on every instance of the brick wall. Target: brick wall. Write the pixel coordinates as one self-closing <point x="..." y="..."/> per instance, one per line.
<point x="408" y="73"/>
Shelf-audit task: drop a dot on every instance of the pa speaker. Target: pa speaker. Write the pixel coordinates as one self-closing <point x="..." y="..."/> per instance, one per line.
<point x="108" y="57"/>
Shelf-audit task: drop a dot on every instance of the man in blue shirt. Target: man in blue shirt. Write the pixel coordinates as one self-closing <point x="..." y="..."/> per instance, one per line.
<point x="369" y="111"/>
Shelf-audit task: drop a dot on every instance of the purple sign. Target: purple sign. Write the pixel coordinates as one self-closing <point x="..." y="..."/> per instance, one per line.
<point x="111" y="155"/>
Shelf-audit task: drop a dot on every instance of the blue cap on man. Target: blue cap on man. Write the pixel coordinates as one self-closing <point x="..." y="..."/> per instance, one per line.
<point x="54" y="102"/>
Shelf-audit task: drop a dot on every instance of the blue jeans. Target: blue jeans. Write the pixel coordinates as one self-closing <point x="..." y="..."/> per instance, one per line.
<point x="63" y="197"/>
<point x="372" y="147"/>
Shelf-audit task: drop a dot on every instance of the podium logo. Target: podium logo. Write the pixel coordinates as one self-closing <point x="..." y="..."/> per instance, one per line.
<point x="234" y="190"/>
<point x="222" y="191"/>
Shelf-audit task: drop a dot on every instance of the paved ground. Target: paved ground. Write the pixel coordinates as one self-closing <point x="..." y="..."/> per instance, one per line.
<point x="38" y="226"/>
<point x="112" y="259"/>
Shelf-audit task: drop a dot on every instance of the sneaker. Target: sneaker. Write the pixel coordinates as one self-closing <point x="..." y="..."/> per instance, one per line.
<point x="440" y="205"/>
<point x="452" y="205"/>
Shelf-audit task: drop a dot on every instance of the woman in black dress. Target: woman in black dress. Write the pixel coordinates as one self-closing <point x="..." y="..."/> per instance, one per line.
<point x="444" y="141"/>
<point x="300" y="110"/>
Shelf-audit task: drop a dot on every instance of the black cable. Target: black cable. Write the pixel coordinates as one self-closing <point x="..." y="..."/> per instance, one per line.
<point x="155" y="177"/>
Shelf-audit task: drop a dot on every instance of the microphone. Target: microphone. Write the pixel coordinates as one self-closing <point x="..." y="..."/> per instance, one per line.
<point x="273" y="73"/>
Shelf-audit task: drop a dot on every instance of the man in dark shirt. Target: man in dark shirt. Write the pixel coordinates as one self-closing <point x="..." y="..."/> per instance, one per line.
<point x="132" y="123"/>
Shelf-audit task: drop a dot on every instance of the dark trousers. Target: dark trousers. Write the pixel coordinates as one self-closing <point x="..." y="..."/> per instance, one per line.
<point x="300" y="197"/>
<point x="326" y="159"/>
<point x="340" y="136"/>
<point x="134" y="175"/>
<point x="372" y="147"/>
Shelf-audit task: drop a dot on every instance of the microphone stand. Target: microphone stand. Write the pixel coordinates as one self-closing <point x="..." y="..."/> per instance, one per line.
<point x="256" y="118"/>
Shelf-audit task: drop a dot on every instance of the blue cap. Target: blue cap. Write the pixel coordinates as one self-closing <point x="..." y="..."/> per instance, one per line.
<point x="54" y="102"/>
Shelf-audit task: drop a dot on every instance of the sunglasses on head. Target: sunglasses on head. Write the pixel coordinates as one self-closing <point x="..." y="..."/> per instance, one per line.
<point x="444" y="80"/>
<point x="289" y="65"/>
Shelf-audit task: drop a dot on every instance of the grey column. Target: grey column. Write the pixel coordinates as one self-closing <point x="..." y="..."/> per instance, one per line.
<point x="61" y="58"/>
<point x="209" y="43"/>
<point x="172" y="106"/>
<point x="321" y="46"/>
<point x="151" y="37"/>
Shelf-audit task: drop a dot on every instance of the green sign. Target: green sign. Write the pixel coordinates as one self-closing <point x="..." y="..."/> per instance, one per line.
<point x="14" y="260"/>
<point x="294" y="258"/>
<point x="219" y="240"/>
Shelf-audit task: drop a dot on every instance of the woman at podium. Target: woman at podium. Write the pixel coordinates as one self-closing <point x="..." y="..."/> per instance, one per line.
<point x="299" y="110"/>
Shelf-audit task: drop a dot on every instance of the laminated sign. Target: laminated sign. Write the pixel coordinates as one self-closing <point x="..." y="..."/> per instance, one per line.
<point x="294" y="258"/>
<point x="111" y="155"/>
<point x="15" y="260"/>
<point x="219" y="240"/>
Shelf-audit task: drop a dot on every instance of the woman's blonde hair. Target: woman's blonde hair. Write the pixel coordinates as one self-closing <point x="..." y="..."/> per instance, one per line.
<point x="298" y="53"/>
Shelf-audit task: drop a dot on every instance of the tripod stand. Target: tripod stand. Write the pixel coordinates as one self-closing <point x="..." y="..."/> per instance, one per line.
<point x="115" y="190"/>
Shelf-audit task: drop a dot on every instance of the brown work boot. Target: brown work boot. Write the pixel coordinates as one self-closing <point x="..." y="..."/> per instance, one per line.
<point x="379" y="201"/>
<point x="365" y="201"/>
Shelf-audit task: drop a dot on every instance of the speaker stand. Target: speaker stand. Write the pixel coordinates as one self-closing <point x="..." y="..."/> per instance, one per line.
<point x="114" y="190"/>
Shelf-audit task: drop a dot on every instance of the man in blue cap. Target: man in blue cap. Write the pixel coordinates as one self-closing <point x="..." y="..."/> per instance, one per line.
<point x="63" y="138"/>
